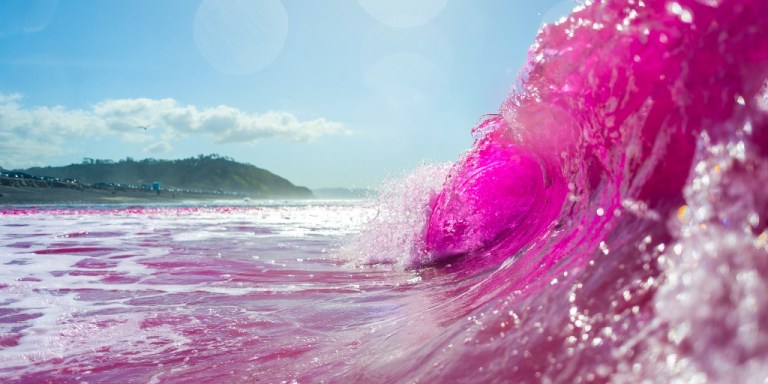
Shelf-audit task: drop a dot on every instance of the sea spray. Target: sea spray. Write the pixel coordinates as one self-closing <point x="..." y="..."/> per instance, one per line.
<point x="393" y="236"/>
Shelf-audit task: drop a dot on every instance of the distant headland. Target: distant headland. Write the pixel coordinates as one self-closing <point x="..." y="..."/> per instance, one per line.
<point x="205" y="177"/>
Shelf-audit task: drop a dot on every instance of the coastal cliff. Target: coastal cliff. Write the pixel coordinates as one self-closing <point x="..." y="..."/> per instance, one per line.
<point x="209" y="174"/>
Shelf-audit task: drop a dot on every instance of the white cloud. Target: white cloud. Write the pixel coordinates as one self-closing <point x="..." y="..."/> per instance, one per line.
<point x="29" y="133"/>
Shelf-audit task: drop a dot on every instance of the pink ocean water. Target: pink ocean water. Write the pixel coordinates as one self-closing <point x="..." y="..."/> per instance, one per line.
<point x="608" y="225"/>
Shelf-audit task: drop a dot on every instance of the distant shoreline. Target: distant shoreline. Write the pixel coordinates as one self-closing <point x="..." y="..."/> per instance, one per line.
<point x="27" y="195"/>
<point x="49" y="195"/>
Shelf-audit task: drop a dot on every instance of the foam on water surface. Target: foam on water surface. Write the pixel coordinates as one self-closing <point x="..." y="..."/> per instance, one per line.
<point x="94" y="294"/>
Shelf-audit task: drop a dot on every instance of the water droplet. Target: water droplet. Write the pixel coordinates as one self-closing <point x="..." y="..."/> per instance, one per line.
<point x="683" y="13"/>
<point x="754" y="219"/>
<point x="604" y="247"/>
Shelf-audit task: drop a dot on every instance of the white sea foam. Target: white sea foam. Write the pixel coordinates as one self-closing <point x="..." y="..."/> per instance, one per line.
<point x="56" y="267"/>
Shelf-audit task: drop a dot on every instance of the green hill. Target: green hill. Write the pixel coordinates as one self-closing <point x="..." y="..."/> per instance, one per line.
<point x="203" y="173"/>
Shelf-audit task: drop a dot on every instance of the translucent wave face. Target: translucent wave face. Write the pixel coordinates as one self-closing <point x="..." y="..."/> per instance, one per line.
<point x="611" y="105"/>
<point x="500" y="194"/>
<point x="488" y="194"/>
<point x="620" y="182"/>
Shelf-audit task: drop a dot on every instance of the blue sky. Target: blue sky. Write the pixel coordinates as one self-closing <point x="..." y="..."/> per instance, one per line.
<point x="325" y="93"/>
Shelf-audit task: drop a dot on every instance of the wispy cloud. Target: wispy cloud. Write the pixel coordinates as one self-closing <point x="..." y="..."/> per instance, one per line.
<point x="28" y="133"/>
